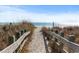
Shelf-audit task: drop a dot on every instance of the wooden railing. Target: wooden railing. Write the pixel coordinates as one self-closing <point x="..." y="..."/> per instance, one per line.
<point x="13" y="47"/>
<point x="61" y="44"/>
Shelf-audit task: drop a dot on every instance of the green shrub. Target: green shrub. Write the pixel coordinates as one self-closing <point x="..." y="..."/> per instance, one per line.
<point x="10" y="40"/>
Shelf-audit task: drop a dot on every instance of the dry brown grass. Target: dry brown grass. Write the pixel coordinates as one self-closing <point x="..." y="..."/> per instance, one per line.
<point x="9" y="30"/>
<point x="72" y="30"/>
<point x="25" y="47"/>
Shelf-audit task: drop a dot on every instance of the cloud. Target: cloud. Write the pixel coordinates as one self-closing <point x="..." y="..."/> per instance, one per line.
<point x="67" y="18"/>
<point x="11" y="14"/>
<point x="14" y="14"/>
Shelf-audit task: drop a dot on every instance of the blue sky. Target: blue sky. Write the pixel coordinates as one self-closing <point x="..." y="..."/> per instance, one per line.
<point x="64" y="14"/>
<point x="49" y="8"/>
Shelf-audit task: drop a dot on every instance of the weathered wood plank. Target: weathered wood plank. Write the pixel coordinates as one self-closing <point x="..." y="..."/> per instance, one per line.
<point x="15" y="45"/>
<point x="22" y="45"/>
<point x="72" y="45"/>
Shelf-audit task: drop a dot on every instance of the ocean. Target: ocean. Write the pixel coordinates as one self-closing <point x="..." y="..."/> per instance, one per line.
<point x="44" y="24"/>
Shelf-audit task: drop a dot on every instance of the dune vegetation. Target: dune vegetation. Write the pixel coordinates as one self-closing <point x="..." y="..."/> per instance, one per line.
<point x="10" y="29"/>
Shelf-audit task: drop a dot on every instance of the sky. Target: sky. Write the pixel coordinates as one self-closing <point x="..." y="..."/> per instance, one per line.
<point x="62" y="14"/>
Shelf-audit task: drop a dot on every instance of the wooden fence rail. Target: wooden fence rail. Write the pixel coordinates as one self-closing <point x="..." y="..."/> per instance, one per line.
<point x="13" y="47"/>
<point x="73" y="47"/>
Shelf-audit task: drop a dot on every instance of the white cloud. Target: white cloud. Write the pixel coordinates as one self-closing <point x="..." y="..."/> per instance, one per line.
<point x="14" y="14"/>
<point x="68" y="18"/>
<point x="11" y="14"/>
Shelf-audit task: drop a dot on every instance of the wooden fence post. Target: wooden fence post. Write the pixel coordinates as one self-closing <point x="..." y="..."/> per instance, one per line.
<point x="53" y="45"/>
<point x="14" y="39"/>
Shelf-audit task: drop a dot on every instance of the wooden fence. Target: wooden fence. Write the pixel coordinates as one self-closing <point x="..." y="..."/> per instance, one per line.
<point x="14" y="46"/>
<point x="61" y="44"/>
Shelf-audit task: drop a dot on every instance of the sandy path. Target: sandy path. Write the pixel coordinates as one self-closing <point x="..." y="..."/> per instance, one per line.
<point x="37" y="43"/>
